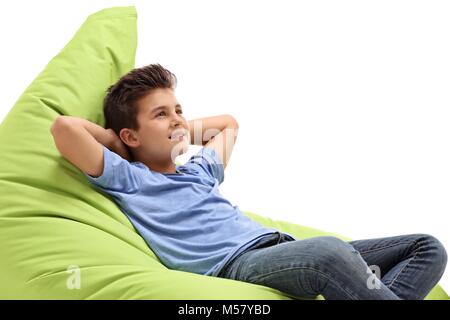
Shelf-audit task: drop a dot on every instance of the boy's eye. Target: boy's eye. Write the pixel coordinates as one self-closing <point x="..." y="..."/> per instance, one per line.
<point x="164" y="113"/>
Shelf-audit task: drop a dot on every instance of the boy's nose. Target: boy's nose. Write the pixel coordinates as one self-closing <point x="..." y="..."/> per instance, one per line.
<point x="177" y="122"/>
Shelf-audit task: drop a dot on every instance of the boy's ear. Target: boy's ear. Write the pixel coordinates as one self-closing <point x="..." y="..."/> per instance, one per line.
<point x="129" y="137"/>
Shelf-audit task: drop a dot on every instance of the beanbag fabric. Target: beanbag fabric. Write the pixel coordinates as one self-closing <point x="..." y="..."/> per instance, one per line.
<point x="59" y="237"/>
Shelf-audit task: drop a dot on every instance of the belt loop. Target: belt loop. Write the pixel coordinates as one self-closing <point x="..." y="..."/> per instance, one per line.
<point x="279" y="237"/>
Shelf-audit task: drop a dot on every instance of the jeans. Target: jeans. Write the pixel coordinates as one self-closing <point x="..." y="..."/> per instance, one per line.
<point x="404" y="267"/>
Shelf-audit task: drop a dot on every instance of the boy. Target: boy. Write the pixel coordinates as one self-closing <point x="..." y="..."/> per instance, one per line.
<point x="190" y="226"/>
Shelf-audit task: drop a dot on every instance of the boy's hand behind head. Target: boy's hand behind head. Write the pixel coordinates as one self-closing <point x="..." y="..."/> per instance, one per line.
<point x="116" y="145"/>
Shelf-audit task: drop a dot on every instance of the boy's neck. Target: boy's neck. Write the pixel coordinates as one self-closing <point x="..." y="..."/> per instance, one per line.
<point x="171" y="168"/>
<point x="157" y="165"/>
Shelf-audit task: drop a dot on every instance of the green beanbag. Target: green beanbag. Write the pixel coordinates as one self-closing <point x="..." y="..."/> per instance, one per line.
<point x="59" y="237"/>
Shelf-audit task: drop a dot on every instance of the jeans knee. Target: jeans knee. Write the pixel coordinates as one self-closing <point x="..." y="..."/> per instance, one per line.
<point x="334" y="242"/>
<point x="332" y="250"/>
<point x="436" y="249"/>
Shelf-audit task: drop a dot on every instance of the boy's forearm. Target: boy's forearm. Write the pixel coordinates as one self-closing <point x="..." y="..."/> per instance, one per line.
<point x="99" y="133"/>
<point x="204" y="129"/>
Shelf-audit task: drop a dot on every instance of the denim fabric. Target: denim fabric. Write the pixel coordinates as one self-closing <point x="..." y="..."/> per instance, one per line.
<point x="392" y="268"/>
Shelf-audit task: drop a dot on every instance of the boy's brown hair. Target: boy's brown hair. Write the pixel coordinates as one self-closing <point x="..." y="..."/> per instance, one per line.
<point x="120" y="103"/>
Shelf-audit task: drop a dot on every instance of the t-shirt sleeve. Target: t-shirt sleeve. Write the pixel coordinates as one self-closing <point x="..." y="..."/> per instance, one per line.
<point x="118" y="174"/>
<point x="208" y="163"/>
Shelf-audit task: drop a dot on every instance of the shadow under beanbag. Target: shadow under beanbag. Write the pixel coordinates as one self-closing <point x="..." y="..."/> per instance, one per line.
<point x="59" y="237"/>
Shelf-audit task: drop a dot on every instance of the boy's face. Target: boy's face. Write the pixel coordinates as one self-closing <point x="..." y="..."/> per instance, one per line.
<point x="163" y="131"/>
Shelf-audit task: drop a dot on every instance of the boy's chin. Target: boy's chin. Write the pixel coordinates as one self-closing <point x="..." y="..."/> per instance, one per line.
<point x="179" y="149"/>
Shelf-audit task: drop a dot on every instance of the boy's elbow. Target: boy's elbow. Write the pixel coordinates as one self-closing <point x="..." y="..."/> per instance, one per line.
<point x="61" y="132"/>
<point x="232" y="122"/>
<point x="59" y="123"/>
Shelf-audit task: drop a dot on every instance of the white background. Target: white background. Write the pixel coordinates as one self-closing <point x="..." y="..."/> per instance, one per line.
<point x="343" y="106"/>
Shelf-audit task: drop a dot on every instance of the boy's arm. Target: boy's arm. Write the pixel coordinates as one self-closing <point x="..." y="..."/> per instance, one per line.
<point x="80" y="142"/>
<point x="218" y="133"/>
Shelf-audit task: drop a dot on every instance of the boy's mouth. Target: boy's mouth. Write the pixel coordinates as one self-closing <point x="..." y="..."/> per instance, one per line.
<point x="177" y="135"/>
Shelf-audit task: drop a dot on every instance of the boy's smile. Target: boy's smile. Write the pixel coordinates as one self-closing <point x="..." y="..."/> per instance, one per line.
<point x="178" y="135"/>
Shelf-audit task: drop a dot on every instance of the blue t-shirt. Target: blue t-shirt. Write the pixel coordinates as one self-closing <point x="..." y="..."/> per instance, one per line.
<point x="182" y="216"/>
